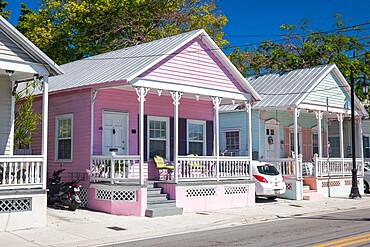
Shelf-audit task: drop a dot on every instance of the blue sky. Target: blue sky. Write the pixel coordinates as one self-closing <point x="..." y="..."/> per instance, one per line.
<point x="261" y="17"/>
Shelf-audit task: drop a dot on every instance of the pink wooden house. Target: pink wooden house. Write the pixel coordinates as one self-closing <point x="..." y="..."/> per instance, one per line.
<point x="111" y="113"/>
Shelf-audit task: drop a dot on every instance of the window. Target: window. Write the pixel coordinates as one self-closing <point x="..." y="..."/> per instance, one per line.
<point x="64" y="137"/>
<point x="158" y="129"/>
<point x="196" y="137"/>
<point x="366" y="140"/>
<point x="232" y="141"/>
<point x="291" y="138"/>
<point x="315" y="143"/>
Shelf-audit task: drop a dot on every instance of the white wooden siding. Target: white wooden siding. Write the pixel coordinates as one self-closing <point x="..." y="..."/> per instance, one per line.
<point x="5" y="107"/>
<point x="328" y="87"/>
<point x="9" y="50"/>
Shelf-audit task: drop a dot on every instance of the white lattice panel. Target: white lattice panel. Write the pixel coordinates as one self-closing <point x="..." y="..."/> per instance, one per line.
<point x="230" y="190"/>
<point x="201" y="192"/>
<point x="84" y="198"/>
<point x="15" y="205"/>
<point x="116" y="195"/>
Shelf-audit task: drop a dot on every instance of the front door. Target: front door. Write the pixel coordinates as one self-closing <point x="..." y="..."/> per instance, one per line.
<point x="271" y="142"/>
<point x="115" y="128"/>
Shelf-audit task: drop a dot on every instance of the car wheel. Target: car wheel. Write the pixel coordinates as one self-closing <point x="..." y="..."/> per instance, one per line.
<point x="271" y="197"/>
<point x="366" y="187"/>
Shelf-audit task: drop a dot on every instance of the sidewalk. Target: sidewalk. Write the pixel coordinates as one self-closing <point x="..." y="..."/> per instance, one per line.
<point x="87" y="228"/>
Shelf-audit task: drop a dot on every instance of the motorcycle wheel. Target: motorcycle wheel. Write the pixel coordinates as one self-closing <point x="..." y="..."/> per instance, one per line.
<point x="74" y="205"/>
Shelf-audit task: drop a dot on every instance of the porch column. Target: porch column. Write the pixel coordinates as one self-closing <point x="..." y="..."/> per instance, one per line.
<point x="296" y="115"/>
<point x="176" y="96"/>
<point x="340" y="120"/>
<point x="249" y="111"/>
<point x="12" y="119"/>
<point x="216" y="105"/>
<point x="44" y="144"/>
<point x="319" y="115"/>
<point x="141" y="92"/>
<point x="94" y="92"/>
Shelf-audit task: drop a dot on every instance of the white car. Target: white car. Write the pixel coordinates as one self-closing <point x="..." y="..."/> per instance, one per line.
<point x="269" y="182"/>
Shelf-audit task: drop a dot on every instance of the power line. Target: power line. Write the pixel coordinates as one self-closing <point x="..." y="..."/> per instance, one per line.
<point x="93" y="58"/>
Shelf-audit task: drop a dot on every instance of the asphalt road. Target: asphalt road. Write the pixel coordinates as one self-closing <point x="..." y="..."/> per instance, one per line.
<point x="349" y="228"/>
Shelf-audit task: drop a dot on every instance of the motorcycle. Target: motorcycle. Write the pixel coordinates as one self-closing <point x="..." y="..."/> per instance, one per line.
<point x="65" y="194"/>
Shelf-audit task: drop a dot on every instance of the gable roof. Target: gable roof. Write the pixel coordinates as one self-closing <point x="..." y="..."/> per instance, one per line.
<point x="125" y="65"/>
<point x="29" y="48"/>
<point x="289" y="89"/>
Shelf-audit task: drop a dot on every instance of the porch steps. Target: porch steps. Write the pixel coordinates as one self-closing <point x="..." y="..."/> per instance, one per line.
<point x="158" y="204"/>
<point x="311" y="195"/>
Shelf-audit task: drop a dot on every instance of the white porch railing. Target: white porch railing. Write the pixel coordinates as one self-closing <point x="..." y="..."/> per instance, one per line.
<point x="118" y="168"/>
<point x="211" y="168"/>
<point x="337" y="167"/>
<point x="21" y="171"/>
<point x="287" y="166"/>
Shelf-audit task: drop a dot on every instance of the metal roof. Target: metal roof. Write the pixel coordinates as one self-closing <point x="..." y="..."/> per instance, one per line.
<point x="232" y="107"/>
<point x="287" y="89"/>
<point x="124" y="65"/>
<point x="117" y="65"/>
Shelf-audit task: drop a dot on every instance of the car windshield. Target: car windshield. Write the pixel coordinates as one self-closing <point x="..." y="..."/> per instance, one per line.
<point x="267" y="170"/>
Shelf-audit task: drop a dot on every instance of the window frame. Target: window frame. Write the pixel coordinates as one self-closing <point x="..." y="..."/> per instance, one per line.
<point x="57" y="119"/>
<point x="224" y="141"/>
<point x="366" y="145"/>
<point x="291" y="132"/>
<point x="161" y="119"/>
<point x="198" y="122"/>
<point x="315" y="131"/>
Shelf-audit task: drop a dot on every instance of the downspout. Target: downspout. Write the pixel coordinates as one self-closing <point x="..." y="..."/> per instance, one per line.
<point x="94" y="93"/>
<point x="44" y="145"/>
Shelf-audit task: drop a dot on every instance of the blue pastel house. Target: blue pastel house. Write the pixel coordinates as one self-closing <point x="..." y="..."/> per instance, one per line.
<point x="304" y="112"/>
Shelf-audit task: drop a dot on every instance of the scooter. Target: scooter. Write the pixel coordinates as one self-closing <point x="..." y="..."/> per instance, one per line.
<point x="64" y="194"/>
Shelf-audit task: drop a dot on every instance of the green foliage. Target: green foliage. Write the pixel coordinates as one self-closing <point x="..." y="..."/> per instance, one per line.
<point x="302" y="47"/>
<point x="4" y="13"/>
<point x="26" y="121"/>
<point x="69" y="30"/>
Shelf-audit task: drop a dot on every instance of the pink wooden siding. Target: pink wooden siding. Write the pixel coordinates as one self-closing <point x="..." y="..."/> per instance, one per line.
<point x="78" y="104"/>
<point x="126" y="101"/>
<point x="194" y="64"/>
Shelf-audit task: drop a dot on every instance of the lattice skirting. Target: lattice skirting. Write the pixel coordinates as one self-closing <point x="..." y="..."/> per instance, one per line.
<point x="231" y="190"/>
<point x="115" y="195"/>
<point x="15" y="205"/>
<point x="84" y="198"/>
<point x="349" y="182"/>
<point x="289" y="186"/>
<point x="200" y="192"/>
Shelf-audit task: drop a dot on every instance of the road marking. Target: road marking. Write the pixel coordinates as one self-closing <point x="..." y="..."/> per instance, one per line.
<point x="347" y="241"/>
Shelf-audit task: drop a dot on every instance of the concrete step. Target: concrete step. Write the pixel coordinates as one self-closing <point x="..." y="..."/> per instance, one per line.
<point x="161" y="204"/>
<point x="157" y="198"/>
<point x="149" y="185"/>
<point x="306" y="188"/>
<point x="154" y="191"/>
<point x="312" y="196"/>
<point x="166" y="211"/>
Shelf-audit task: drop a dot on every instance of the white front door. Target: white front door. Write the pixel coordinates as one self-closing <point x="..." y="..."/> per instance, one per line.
<point x="271" y="142"/>
<point x="115" y="130"/>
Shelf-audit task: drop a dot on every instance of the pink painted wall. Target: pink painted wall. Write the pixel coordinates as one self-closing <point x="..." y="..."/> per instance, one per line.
<point x="129" y="208"/>
<point x="194" y="64"/>
<point x="126" y="101"/>
<point x="219" y="201"/>
<point x="78" y="104"/>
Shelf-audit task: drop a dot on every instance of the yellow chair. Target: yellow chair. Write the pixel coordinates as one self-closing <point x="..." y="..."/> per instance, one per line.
<point x="162" y="167"/>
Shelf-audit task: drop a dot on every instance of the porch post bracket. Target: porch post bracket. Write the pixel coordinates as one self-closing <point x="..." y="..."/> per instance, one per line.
<point x="141" y="92"/>
<point x="216" y="101"/>
<point x="298" y="112"/>
<point x="319" y="115"/>
<point x="340" y="117"/>
<point x="176" y="96"/>
<point x="93" y="95"/>
<point x="247" y="103"/>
